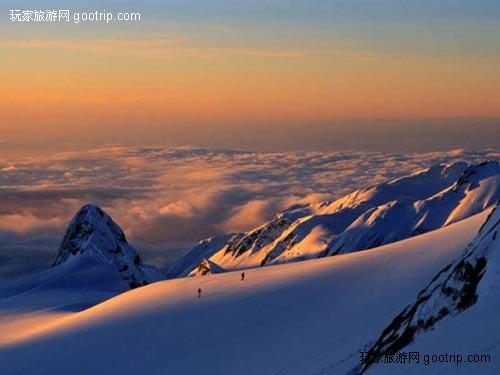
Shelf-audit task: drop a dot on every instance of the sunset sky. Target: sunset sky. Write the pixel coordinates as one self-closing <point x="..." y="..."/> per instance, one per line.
<point x="284" y="74"/>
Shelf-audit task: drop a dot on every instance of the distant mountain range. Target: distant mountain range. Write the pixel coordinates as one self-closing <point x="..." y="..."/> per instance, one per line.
<point x="367" y="218"/>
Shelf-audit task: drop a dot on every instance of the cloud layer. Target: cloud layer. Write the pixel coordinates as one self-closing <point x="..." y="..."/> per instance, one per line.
<point x="166" y="199"/>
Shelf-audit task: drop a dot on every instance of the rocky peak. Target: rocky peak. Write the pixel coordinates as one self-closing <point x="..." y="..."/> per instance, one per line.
<point x="93" y="232"/>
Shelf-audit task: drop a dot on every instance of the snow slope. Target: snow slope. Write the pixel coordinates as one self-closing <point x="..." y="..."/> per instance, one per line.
<point x="302" y="318"/>
<point x="76" y="285"/>
<point x="454" y="314"/>
<point x="82" y="273"/>
<point x="385" y="213"/>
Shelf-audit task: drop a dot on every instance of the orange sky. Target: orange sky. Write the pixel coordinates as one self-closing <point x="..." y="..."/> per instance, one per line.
<point x="162" y="77"/>
<point x="73" y="85"/>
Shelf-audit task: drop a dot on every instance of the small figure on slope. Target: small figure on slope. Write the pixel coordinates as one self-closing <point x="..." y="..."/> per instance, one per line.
<point x="242" y="276"/>
<point x="199" y="292"/>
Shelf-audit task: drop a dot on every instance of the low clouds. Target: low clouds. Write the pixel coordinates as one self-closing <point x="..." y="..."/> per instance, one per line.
<point x="26" y="253"/>
<point x="248" y="215"/>
<point x="168" y="199"/>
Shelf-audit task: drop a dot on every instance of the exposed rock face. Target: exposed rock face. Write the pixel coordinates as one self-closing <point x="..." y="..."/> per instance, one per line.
<point x="184" y="264"/>
<point x="453" y="290"/>
<point x="206" y="267"/>
<point x="92" y="231"/>
<point x="257" y="238"/>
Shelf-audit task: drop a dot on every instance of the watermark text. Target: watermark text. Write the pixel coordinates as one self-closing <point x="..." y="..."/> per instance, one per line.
<point x="65" y="15"/>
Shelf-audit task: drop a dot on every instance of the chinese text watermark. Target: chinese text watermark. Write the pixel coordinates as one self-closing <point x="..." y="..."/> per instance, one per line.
<point x="65" y="15"/>
<point x="427" y="359"/>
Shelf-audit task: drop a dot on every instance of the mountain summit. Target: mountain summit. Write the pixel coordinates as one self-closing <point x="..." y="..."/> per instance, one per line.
<point x="93" y="232"/>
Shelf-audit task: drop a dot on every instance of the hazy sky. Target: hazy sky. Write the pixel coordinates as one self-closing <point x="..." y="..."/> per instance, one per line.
<point x="283" y="74"/>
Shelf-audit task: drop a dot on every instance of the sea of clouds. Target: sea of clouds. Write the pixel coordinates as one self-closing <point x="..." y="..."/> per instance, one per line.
<point x="167" y="199"/>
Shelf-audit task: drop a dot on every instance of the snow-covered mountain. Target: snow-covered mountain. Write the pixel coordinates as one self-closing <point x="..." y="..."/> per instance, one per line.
<point x="398" y="209"/>
<point x="476" y="189"/>
<point x="183" y="265"/>
<point x="94" y="263"/>
<point x="93" y="233"/>
<point x="301" y="318"/>
<point x="455" y="289"/>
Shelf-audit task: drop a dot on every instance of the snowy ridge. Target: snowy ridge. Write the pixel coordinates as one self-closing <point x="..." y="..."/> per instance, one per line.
<point x="476" y="189"/>
<point x="93" y="232"/>
<point x="385" y="213"/>
<point x="453" y="290"/>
